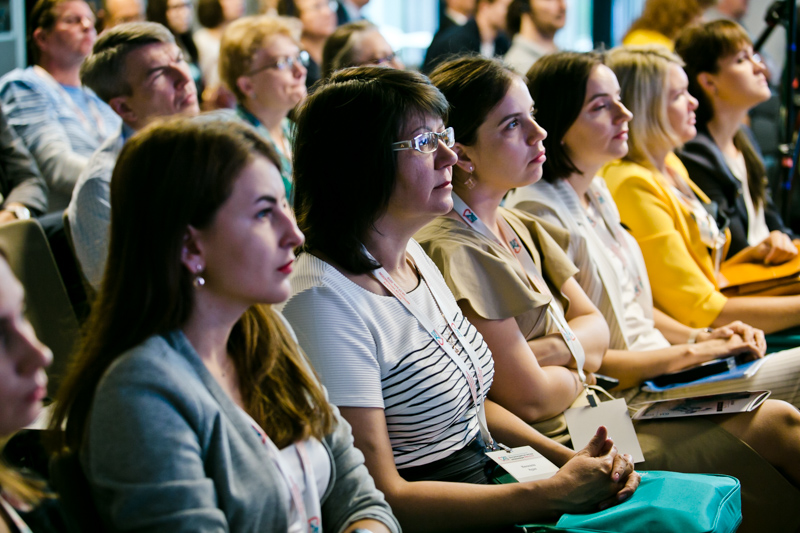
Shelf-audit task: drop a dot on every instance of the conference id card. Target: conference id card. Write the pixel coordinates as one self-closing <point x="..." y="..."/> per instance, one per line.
<point x="524" y="463"/>
<point x="582" y="423"/>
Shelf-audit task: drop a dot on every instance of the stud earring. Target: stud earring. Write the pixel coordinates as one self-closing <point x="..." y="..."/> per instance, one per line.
<point x="199" y="280"/>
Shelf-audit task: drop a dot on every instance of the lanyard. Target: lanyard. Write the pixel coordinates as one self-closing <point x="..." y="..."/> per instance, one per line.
<point x="613" y="238"/>
<point x="478" y="392"/>
<point x="529" y="267"/>
<point x="710" y="234"/>
<point x="302" y="502"/>
<point x="99" y="124"/>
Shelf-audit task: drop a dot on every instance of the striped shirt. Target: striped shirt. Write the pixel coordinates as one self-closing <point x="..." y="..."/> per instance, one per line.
<point x="55" y="129"/>
<point x="371" y="352"/>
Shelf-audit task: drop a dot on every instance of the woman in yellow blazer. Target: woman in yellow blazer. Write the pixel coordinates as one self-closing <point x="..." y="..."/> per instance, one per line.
<point x="666" y="212"/>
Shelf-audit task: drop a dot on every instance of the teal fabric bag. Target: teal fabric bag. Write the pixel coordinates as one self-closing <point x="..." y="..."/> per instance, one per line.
<point x="665" y="502"/>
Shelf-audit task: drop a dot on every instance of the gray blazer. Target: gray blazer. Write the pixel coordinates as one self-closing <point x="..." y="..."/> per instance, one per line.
<point x="168" y="450"/>
<point x="20" y="180"/>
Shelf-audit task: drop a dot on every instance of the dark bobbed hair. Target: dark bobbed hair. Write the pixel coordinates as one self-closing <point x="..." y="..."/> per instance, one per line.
<point x="702" y="47"/>
<point x="156" y="11"/>
<point x="209" y="13"/>
<point x="146" y="290"/>
<point x="341" y="47"/>
<point x="557" y="83"/>
<point x="344" y="166"/>
<point x="473" y="85"/>
<point x="104" y="71"/>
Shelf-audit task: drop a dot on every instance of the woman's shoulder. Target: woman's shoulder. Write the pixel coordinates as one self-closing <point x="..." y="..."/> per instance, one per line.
<point x="621" y="174"/>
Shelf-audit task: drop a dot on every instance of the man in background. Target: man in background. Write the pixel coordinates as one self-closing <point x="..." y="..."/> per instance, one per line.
<point x="533" y="24"/>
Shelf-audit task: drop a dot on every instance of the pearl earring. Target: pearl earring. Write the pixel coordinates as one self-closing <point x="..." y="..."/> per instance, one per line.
<point x="199" y="280"/>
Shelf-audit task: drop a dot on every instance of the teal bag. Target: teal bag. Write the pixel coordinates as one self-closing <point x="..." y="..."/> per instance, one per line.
<point x="665" y="502"/>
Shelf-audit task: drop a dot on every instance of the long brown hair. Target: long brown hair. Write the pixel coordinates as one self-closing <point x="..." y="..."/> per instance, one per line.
<point x="184" y="170"/>
<point x="702" y="47"/>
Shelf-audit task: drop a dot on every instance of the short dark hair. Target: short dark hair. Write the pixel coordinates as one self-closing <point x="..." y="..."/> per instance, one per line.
<point x="209" y="13"/>
<point x="558" y="82"/>
<point x="473" y="85"/>
<point x="514" y="15"/>
<point x="104" y="71"/>
<point x="344" y="166"/>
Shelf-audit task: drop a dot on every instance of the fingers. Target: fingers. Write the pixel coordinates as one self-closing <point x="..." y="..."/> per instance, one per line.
<point x="598" y="445"/>
<point x="622" y="467"/>
<point x="624" y="494"/>
<point x="761" y="342"/>
<point x="781" y="248"/>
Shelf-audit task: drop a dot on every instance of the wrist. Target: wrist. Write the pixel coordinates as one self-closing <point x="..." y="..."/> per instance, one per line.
<point x="694" y="336"/>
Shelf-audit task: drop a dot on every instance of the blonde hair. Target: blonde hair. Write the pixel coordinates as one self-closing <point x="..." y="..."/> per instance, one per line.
<point x="643" y="74"/>
<point x="246" y="36"/>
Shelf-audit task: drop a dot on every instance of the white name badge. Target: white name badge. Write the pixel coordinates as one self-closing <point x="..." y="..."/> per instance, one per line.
<point x="524" y="463"/>
<point x="583" y="422"/>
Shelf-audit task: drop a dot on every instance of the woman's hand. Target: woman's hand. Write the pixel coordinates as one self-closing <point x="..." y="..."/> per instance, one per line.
<point x="748" y="334"/>
<point x="776" y="249"/>
<point x="595" y="478"/>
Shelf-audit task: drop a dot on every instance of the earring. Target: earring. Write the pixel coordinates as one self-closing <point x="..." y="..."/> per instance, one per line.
<point x="470" y="182"/>
<point x="199" y="280"/>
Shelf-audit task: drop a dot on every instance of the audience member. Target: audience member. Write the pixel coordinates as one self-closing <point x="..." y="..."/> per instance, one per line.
<point x="454" y="13"/>
<point x="138" y="69"/>
<point x="178" y="17"/>
<point x="416" y="404"/>
<point x="662" y="20"/>
<point x="587" y="128"/>
<point x="483" y="34"/>
<point x="533" y="25"/>
<point x="349" y="10"/>
<point x="262" y="63"/>
<point x="319" y="22"/>
<point x="119" y="11"/>
<point x="355" y="44"/>
<point x="186" y="350"/>
<point x="23" y="386"/>
<point x="23" y="191"/>
<point x="728" y="80"/>
<point x="510" y="280"/>
<point x="681" y="241"/>
<point x="60" y="121"/>
<point x="214" y="16"/>
<point x="734" y="10"/>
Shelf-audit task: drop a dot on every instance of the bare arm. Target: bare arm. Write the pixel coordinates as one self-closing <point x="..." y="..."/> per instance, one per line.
<point x="586" y="483"/>
<point x="769" y="313"/>
<point x="521" y="385"/>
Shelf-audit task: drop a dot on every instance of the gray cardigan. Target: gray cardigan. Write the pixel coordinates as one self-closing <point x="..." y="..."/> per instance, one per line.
<point x="168" y="450"/>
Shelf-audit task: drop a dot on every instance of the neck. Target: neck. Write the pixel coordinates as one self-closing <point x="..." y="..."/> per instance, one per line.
<point x="723" y="128"/>
<point x="529" y="31"/>
<point x="65" y="74"/>
<point x="581" y="182"/>
<point x="483" y="200"/>
<point x="314" y="44"/>
<point x="388" y="240"/>
<point x="209" y="328"/>
<point x="660" y="162"/>
<point x="487" y="31"/>
<point x="268" y="117"/>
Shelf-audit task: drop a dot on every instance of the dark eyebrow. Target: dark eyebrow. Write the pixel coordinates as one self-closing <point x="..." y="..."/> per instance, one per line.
<point x="266" y="198"/>
<point x="507" y="118"/>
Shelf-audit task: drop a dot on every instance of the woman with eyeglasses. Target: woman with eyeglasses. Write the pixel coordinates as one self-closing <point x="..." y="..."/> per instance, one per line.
<point x="355" y="44"/>
<point x="190" y="405"/>
<point x="261" y="61"/>
<point x="397" y="356"/>
<point x="728" y="80"/>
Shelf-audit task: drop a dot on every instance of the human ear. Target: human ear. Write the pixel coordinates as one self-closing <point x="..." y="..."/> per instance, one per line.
<point x="464" y="162"/>
<point x="245" y="84"/>
<point x="192" y="255"/>
<point x="40" y="38"/>
<point x="707" y="83"/>
<point x="120" y="106"/>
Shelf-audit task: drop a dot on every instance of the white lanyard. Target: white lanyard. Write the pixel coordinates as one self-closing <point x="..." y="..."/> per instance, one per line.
<point x="526" y="261"/>
<point x="303" y="502"/>
<point x="98" y="128"/>
<point x="613" y="238"/>
<point x="478" y="393"/>
<point x="710" y="233"/>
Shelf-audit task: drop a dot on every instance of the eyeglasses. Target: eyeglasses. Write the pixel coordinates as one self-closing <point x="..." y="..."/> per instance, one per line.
<point x="427" y="143"/>
<point x="381" y="60"/>
<point x="285" y="63"/>
<point x="333" y="5"/>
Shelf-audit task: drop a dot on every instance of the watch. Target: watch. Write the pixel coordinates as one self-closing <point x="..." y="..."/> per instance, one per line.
<point x="20" y="211"/>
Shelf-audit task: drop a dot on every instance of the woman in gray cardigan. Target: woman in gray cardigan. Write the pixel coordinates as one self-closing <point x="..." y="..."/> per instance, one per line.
<point x="189" y="402"/>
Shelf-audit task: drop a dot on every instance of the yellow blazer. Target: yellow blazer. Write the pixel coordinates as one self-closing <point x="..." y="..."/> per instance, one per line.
<point x="679" y="265"/>
<point x="637" y="37"/>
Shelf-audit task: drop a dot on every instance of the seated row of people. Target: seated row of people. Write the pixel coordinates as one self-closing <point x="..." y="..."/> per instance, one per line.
<point x="505" y="301"/>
